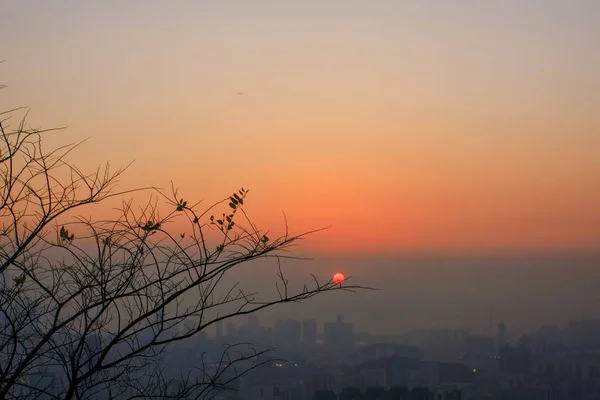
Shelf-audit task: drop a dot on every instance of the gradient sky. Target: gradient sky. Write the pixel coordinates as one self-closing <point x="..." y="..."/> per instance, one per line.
<point x="406" y="125"/>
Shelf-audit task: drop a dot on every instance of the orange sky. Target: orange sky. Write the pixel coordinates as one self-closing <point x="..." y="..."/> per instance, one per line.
<point x="404" y="126"/>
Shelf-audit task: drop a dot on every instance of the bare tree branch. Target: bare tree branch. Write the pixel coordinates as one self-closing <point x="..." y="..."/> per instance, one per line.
<point x="88" y="307"/>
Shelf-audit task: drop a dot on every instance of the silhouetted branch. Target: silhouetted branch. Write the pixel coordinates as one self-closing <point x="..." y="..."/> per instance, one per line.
<point x="88" y="308"/>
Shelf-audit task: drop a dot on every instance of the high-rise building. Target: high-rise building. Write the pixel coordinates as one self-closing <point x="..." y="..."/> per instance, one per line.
<point x="251" y="331"/>
<point x="278" y="333"/>
<point x="309" y="332"/>
<point x="288" y="333"/>
<point x="253" y="321"/>
<point x="339" y="333"/>
<point x="219" y="329"/>
<point x="293" y="332"/>
<point x="231" y="330"/>
<point x="501" y="337"/>
<point x="516" y="360"/>
<point x="585" y="333"/>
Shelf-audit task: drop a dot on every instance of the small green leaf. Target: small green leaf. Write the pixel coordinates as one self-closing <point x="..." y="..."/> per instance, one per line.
<point x="232" y="205"/>
<point x="19" y="280"/>
<point x="181" y="205"/>
<point x="150" y="226"/>
<point x="195" y="220"/>
<point x="182" y="235"/>
<point x="220" y="222"/>
<point x="64" y="234"/>
<point x="265" y="239"/>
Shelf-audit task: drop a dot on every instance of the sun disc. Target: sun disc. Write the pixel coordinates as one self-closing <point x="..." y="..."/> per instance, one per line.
<point x="338" y="277"/>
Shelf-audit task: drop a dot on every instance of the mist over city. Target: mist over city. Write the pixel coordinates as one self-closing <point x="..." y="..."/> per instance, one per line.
<point x="299" y="200"/>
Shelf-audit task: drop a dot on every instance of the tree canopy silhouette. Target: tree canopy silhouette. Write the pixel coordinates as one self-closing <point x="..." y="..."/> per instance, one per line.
<point x="89" y="306"/>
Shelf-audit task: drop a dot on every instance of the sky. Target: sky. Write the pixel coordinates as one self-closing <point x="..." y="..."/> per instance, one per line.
<point x="473" y="292"/>
<point x="409" y="127"/>
<point x="405" y="125"/>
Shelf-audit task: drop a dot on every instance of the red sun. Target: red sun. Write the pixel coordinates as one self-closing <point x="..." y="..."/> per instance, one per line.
<point x="338" y="277"/>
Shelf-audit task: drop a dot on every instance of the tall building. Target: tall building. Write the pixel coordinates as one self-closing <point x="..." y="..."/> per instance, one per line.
<point x="231" y="331"/>
<point x="293" y="332"/>
<point x="251" y="331"/>
<point x="288" y="333"/>
<point x="339" y="334"/>
<point x="585" y="333"/>
<point x="219" y="329"/>
<point x="309" y="332"/>
<point x="501" y="337"/>
<point x="278" y="333"/>
<point x="516" y="360"/>
<point x="253" y="321"/>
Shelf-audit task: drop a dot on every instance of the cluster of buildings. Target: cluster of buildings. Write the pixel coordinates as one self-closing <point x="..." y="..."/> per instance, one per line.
<point x="290" y="333"/>
<point x="549" y="363"/>
<point x="394" y="377"/>
<point x="336" y="363"/>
